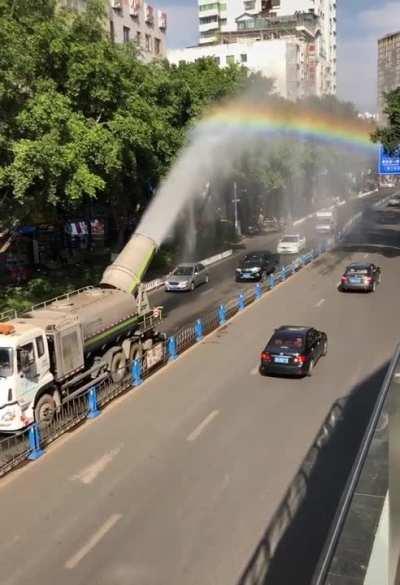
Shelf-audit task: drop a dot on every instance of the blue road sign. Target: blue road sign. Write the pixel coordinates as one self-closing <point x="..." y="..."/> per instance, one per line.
<point x="389" y="164"/>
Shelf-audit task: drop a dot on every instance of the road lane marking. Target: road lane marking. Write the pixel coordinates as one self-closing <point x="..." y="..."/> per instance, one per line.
<point x="320" y="303"/>
<point x="205" y="292"/>
<point x="200" y="428"/>
<point x="89" y="474"/>
<point x="93" y="541"/>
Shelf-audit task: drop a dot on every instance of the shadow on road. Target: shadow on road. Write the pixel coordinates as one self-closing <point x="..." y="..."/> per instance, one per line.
<point x="290" y="547"/>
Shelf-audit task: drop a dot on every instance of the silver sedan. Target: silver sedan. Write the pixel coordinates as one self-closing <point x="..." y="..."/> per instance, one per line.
<point x="186" y="277"/>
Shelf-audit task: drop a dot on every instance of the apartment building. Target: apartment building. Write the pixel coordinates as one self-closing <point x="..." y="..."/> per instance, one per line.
<point x="136" y="21"/>
<point x="280" y="59"/>
<point x="388" y="69"/>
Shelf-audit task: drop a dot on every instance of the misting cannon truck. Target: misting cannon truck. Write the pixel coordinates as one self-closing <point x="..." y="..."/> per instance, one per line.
<point x="326" y="221"/>
<point x="63" y="346"/>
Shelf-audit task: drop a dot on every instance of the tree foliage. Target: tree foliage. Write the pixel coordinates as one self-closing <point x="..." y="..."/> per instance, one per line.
<point x="390" y="135"/>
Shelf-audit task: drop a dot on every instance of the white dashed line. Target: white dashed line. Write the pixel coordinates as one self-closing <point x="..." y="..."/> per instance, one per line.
<point x="89" y="474"/>
<point x="320" y="303"/>
<point x="93" y="541"/>
<point x="206" y="292"/>
<point x="200" y="428"/>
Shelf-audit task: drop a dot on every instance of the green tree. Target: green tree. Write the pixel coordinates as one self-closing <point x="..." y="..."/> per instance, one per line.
<point x="390" y="135"/>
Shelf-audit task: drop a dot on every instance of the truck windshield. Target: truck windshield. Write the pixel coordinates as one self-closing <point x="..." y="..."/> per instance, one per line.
<point x="6" y="362"/>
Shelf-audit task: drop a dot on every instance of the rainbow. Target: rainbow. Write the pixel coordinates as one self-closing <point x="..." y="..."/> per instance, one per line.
<point x="294" y="123"/>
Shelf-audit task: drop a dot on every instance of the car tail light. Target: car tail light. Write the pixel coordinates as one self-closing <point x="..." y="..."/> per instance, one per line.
<point x="266" y="356"/>
<point x="300" y="359"/>
<point x="367" y="279"/>
<point x="343" y="279"/>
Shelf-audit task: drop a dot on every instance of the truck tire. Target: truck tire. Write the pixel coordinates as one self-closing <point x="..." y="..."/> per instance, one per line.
<point x="118" y="367"/>
<point x="45" y="410"/>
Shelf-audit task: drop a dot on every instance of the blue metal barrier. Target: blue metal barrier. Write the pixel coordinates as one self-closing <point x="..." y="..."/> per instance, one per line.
<point x="221" y="315"/>
<point x="198" y="330"/>
<point x="172" y="351"/>
<point x="92" y="403"/>
<point x="136" y="372"/>
<point x="241" y="302"/>
<point x="34" y="443"/>
<point x="258" y="290"/>
<point x="271" y="280"/>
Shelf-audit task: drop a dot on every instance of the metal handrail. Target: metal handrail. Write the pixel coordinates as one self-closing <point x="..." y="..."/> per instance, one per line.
<point x="328" y="552"/>
<point x="7" y="315"/>
<point x="44" y="304"/>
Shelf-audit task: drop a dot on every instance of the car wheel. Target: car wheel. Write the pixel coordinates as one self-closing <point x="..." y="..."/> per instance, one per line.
<point x="262" y="371"/>
<point x="310" y="368"/>
<point x="325" y="348"/>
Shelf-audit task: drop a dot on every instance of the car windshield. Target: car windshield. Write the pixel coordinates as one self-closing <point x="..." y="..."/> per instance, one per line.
<point x="290" y="239"/>
<point x="183" y="271"/>
<point x="6" y="362"/>
<point x="287" y="341"/>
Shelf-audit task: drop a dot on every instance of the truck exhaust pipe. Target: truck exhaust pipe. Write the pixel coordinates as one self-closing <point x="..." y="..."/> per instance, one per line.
<point x="127" y="270"/>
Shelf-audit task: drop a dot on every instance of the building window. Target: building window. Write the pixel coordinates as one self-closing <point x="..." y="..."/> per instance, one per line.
<point x="112" y="31"/>
<point x="148" y="43"/>
<point x="243" y="58"/>
<point x="250" y="5"/>
<point x="208" y="19"/>
<point x="126" y="31"/>
<point x="230" y="59"/>
<point x="138" y="38"/>
<point x="217" y="60"/>
<point x="157" y="46"/>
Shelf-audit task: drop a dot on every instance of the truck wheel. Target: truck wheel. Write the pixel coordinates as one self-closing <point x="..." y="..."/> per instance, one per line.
<point x="45" y="409"/>
<point x="118" y="367"/>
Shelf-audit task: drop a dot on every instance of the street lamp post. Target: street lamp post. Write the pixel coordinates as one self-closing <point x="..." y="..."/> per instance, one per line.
<point x="235" y="202"/>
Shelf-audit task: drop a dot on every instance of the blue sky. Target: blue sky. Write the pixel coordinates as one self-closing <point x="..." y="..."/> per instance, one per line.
<point x="360" y="23"/>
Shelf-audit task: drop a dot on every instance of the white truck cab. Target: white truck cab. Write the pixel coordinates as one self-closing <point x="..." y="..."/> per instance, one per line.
<point x="24" y="371"/>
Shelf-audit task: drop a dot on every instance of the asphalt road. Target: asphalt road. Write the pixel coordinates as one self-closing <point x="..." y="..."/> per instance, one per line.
<point x="183" y="308"/>
<point x="175" y="483"/>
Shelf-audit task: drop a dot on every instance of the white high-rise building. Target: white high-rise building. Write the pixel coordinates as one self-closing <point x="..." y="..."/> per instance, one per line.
<point x="313" y="22"/>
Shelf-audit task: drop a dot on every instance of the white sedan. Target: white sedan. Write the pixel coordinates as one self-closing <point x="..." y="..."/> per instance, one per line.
<point x="292" y="244"/>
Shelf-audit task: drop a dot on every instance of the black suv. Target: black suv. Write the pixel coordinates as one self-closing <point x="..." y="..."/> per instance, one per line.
<point x="293" y="350"/>
<point x="255" y="266"/>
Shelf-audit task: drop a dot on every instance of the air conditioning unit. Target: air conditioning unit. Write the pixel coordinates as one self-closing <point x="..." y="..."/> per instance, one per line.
<point x="162" y="20"/>
<point x="134" y="7"/>
<point x="149" y="14"/>
<point x="116" y="4"/>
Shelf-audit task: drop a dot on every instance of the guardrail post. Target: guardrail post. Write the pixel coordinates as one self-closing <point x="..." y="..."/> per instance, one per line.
<point x="172" y="351"/>
<point x="34" y="443"/>
<point x="136" y="372"/>
<point x="258" y="291"/>
<point x="271" y="280"/>
<point x="92" y="403"/>
<point x="241" y="302"/>
<point x="221" y="314"/>
<point x="198" y="330"/>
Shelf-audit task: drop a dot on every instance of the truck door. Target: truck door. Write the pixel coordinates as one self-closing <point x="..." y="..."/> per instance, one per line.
<point x="28" y="379"/>
<point x="42" y="356"/>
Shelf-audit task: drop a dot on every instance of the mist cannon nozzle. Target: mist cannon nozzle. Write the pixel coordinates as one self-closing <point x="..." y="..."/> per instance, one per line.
<point x="128" y="269"/>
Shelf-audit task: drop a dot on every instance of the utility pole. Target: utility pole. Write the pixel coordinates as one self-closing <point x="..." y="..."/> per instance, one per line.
<point x="235" y="202"/>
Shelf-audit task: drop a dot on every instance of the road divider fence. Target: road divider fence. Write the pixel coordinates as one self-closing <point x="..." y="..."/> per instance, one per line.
<point x="88" y="403"/>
